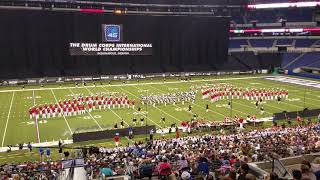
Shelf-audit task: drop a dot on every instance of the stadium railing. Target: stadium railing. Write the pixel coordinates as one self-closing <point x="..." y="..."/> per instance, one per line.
<point x="280" y="169"/>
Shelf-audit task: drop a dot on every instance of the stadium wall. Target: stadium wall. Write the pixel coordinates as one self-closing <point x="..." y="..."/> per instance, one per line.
<point x="107" y="134"/>
<point x="35" y="43"/>
<point x="305" y="75"/>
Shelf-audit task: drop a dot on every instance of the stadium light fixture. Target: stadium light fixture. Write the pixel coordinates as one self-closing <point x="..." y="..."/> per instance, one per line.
<point x="283" y="5"/>
<point x="117" y="11"/>
<point x="283" y="30"/>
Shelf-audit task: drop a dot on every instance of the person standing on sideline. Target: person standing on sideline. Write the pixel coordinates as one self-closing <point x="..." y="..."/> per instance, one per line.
<point x="30" y="148"/>
<point x="151" y="135"/>
<point x="117" y="139"/>
<point x="130" y="129"/>
<point x="177" y="132"/>
<point x="60" y="152"/>
<point x="274" y="120"/>
<point x="48" y="153"/>
<point x="41" y="154"/>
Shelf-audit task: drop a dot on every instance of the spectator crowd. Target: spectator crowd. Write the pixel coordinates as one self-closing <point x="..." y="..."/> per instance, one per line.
<point x="193" y="157"/>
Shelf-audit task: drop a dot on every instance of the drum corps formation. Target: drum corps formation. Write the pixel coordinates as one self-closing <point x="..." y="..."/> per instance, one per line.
<point x="229" y="92"/>
<point x="169" y="98"/>
<point x="80" y="105"/>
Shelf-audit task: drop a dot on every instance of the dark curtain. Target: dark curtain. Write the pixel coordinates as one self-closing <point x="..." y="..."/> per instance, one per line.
<point x="35" y="43"/>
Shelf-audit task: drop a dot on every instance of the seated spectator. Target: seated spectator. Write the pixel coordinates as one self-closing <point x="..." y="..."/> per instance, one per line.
<point x="106" y="171"/>
<point x="307" y="173"/>
<point x="185" y="175"/>
<point x="296" y="174"/>
<point x="146" y="169"/>
<point x="183" y="164"/>
<point x="164" y="168"/>
<point x="250" y="177"/>
<point x="315" y="165"/>
<point x="244" y="170"/>
<point x="274" y="176"/>
<point x="203" y="166"/>
<point x="232" y="175"/>
<point x="131" y="169"/>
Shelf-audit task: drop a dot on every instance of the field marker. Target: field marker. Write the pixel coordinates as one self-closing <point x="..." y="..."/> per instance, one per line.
<point x="134" y="84"/>
<point x="63" y="114"/>
<point x="37" y="125"/>
<point x="89" y="114"/>
<point x="5" y="130"/>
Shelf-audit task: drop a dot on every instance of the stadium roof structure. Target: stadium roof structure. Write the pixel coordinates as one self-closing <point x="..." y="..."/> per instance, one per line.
<point x="202" y="7"/>
<point x="193" y="2"/>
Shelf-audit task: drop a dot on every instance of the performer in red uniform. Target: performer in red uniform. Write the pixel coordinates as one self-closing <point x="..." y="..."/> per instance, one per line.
<point x="117" y="139"/>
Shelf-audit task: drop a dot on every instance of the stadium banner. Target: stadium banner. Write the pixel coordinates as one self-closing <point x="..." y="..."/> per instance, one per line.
<point x="96" y="78"/>
<point x="32" y="81"/>
<point x="119" y="77"/>
<point x="51" y="80"/>
<point x="106" y="77"/>
<point x="68" y="79"/>
<point x="88" y="78"/>
<point x="77" y="79"/>
<point x="13" y="82"/>
<point x="110" y="49"/>
<point x="21" y="82"/>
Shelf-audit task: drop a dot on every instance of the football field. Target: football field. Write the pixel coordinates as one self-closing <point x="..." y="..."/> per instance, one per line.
<point x="16" y="127"/>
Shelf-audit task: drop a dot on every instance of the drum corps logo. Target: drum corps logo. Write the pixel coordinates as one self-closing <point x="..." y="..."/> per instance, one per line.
<point x="112" y="33"/>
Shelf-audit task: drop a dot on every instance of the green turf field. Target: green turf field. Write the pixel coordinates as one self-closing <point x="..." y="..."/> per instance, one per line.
<point x="16" y="127"/>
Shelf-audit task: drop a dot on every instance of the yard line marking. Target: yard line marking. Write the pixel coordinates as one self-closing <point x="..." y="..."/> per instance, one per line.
<point x="89" y="113"/>
<point x="5" y="129"/>
<point x="63" y="114"/>
<point x="134" y="84"/>
<point x="134" y="109"/>
<point x="37" y="124"/>
<point x="34" y="100"/>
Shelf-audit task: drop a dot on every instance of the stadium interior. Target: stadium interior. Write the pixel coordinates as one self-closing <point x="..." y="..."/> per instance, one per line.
<point x="160" y="89"/>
